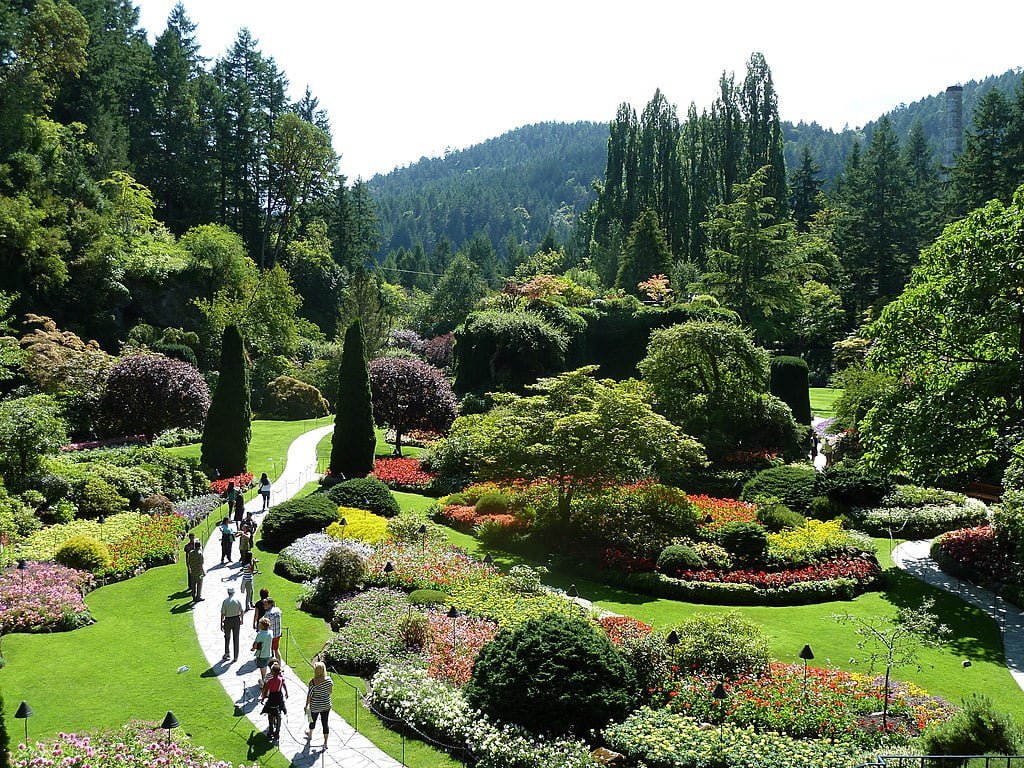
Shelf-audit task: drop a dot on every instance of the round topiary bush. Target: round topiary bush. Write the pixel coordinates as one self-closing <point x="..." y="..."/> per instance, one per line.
<point x="792" y="484"/>
<point x="776" y="517"/>
<point x="84" y="553"/>
<point x="428" y="597"/>
<point x="365" y="493"/>
<point x="342" y="571"/>
<point x="552" y="674"/>
<point x="492" y="504"/>
<point x="722" y="645"/>
<point x="295" y="518"/>
<point x="290" y="399"/>
<point x="747" y="542"/>
<point x="679" y="557"/>
<point x="148" y="394"/>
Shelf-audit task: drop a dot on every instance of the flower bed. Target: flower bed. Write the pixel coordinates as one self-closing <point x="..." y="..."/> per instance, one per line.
<point x="300" y="560"/>
<point x="368" y="630"/>
<point x="974" y="553"/>
<point x="621" y="629"/>
<point x="110" y="442"/>
<point x="832" y="704"/>
<point x="136" y="745"/>
<point x="242" y="482"/>
<point x="920" y="522"/>
<point x="729" y="593"/>
<point x="198" y="508"/>
<point x="424" y="566"/>
<point x="360" y="525"/>
<point x="717" y="512"/>
<point x="435" y="708"/>
<point x="454" y="645"/>
<point x="499" y="599"/>
<point x="664" y="739"/>
<point x="403" y="475"/>
<point x="43" y="597"/>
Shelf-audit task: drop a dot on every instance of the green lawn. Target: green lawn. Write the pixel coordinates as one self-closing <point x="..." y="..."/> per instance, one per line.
<point x="974" y="635"/>
<point x="382" y="450"/>
<point x="268" y="449"/>
<point x="823" y="401"/>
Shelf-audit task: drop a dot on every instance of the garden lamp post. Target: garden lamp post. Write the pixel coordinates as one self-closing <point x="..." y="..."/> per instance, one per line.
<point x="21" y="569"/>
<point x="806" y="654"/>
<point x="453" y="614"/>
<point x="422" y="531"/>
<point x="488" y="560"/>
<point x="720" y="696"/>
<point x="24" y="713"/>
<point x="572" y="593"/>
<point x="673" y="643"/>
<point x="170" y="722"/>
<point x="343" y="523"/>
<point x="389" y="568"/>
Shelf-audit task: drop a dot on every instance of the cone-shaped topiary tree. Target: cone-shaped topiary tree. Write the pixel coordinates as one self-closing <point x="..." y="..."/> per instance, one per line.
<point x="789" y="383"/>
<point x="229" y="423"/>
<point x="354" y="439"/>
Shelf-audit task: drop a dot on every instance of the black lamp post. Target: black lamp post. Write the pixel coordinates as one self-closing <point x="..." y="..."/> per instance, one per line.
<point x="24" y="710"/>
<point x="21" y="567"/>
<point x="422" y="531"/>
<point x="488" y="560"/>
<point x="170" y="722"/>
<point x="806" y="654"/>
<point x="389" y="567"/>
<point x="720" y="696"/>
<point x="673" y="643"/>
<point x="453" y="614"/>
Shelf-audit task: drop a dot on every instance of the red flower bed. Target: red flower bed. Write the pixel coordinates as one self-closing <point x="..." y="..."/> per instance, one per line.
<point x="459" y="515"/>
<point x="403" y="474"/>
<point x="622" y="628"/>
<point x="626" y="562"/>
<point x="723" y="511"/>
<point x="109" y="442"/>
<point x="864" y="571"/>
<point x="451" y="658"/>
<point x="979" y="550"/>
<point x="242" y="481"/>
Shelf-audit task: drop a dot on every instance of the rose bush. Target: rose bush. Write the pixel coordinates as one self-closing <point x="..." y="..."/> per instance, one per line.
<point x="43" y="597"/>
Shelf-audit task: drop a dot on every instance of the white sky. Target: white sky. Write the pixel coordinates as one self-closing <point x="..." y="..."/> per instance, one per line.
<point x="402" y="79"/>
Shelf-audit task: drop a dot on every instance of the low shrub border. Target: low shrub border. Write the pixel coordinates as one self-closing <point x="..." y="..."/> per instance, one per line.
<point x="920" y="522"/>
<point x="722" y="593"/>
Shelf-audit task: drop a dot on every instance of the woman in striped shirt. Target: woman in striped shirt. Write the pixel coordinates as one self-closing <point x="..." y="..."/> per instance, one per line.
<point x="318" y="700"/>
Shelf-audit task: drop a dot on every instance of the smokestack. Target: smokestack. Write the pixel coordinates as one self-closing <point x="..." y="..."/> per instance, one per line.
<point x="953" y="138"/>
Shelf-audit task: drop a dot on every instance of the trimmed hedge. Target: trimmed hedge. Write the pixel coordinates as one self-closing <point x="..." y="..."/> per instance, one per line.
<point x="717" y="593"/>
<point x="919" y="522"/>
<point x="294" y="518"/>
<point x="788" y="381"/>
<point x="367" y="493"/>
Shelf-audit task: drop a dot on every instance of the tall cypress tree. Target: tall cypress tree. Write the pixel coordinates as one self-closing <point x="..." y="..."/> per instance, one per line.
<point x="354" y="439"/>
<point x="229" y="423"/>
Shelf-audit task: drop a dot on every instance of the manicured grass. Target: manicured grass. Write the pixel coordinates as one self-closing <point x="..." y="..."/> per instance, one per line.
<point x="823" y="401"/>
<point x="383" y="449"/>
<point x="974" y="635"/>
<point x="268" y="449"/>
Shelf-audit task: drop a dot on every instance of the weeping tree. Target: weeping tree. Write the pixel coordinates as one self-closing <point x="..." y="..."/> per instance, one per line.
<point x="354" y="439"/>
<point x="229" y="422"/>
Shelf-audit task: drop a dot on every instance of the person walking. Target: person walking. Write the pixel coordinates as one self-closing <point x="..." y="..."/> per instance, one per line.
<point x="273" y="615"/>
<point x="239" y="510"/>
<point x="274" y="693"/>
<point x="230" y="494"/>
<point x="231" y="623"/>
<point x="196" y="571"/>
<point x="262" y="606"/>
<point x="248" y="572"/>
<point x="318" y="699"/>
<point x="244" y="544"/>
<point x="261" y="645"/>
<point x="227" y="536"/>
<point x="265" y="491"/>
<point x="189" y="546"/>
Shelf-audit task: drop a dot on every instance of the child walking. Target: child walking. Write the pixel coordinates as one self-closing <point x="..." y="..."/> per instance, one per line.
<point x="275" y="691"/>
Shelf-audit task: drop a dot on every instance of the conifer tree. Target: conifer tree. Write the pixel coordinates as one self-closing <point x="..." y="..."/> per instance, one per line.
<point x="805" y="187"/>
<point x="646" y="254"/>
<point x="228" y="424"/>
<point x="354" y="440"/>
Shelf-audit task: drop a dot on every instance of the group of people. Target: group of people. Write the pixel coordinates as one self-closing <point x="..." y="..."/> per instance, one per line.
<point x="266" y="617"/>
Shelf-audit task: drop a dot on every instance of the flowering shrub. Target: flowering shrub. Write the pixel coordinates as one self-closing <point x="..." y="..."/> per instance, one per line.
<point x="439" y="710"/>
<point x="431" y="566"/>
<point x="811" y="542"/>
<point x="151" y="393"/>
<point x="242" y="482"/>
<point x="498" y="598"/>
<point x="454" y="644"/>
<point x="360" y="525"/>
<point x="44" y="543"/>
<point x="621" y="629"/>
<point x="43" y="597"/>
<point x="136" y="745"/>
<point x="626" y="562"/>
<point x="459" y="515"/>
<point x="403" y="474"/>
<point x="152" y="542"/>
<point x="305" y="556"/>
<point x="758" y="458"/>
<point x="368" y="630"/>
<point x="863" y="571"/>
<point x="831" y="704"/>
<point x="664" y="739"/>
<point x="978" y="550"/>
<point x="921" y="521"/>
<point x="722" y="511"/>
<point x="198" y="508"/>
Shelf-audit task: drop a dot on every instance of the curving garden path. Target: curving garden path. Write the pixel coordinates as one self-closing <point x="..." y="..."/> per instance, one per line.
<point x="914" y="557"/>
<point x="347" y="748"/>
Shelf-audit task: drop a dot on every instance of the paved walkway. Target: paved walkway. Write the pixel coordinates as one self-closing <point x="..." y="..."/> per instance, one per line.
<point x="346" y="747"/>
<point x="914" y="558"/>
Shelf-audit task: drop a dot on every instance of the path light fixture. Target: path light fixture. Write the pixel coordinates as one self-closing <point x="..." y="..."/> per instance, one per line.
<point x="806" y="654"/>
<point x="21" y="569"/>
<point x="453" y="614"/>
<point x="488" y="559"/>
<point x="389" y="567"/>
<point x="422" y="531"/>
<point x="170" y="723"/>
<point x="343" y="522"/>
<point x="673" y="643"/>
<point x="571" y="593"/>
<point x="720" y="695"/>
<point x="24" y="710"/>
<point x="101" y="519"/>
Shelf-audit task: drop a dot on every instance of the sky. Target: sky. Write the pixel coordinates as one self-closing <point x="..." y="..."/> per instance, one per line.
<point x="402" y="79"/>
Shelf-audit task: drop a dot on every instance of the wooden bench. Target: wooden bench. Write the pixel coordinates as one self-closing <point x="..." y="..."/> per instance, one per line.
<point x="985" y="492"/>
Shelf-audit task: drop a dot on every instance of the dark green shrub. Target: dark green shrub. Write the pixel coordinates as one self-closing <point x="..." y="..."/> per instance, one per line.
<point x="1013" y="477"/>
<point x="290" y="399"/>
<point x="824" y="508"/>
<point x="341" y="571"/>
<point x="775" y="517"/>
<point x="98" y="497"/>
<point x="492" y="504"/>
<point x="552" y="674"/>
<point x="793" y="485"/>
<point x="294" y="518"/>
<point x="428" y="597"/>
<point x="228" y="426"/>
<point x="365" y="493"/>
<point x="354" y="439"/>
<point x="854" y="485"/>
<point x="679" y="557"/>
<point x="181" y="352"/>
<point x="977" y="729"/>
<point x="721" y="645"/>
<point x="294" y="569"/>
<point x="748" y="542"/>
<point x="84" y="553"/>
<point x="788" y="381"/>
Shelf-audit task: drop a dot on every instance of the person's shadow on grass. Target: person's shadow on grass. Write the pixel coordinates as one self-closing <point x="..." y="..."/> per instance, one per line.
<point x="178" y="595"/>
<point x="183" y="607"/>
<point x="258" y="745"/>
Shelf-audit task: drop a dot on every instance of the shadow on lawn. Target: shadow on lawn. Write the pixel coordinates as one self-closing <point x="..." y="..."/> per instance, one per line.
<point x="974" y="635"/>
